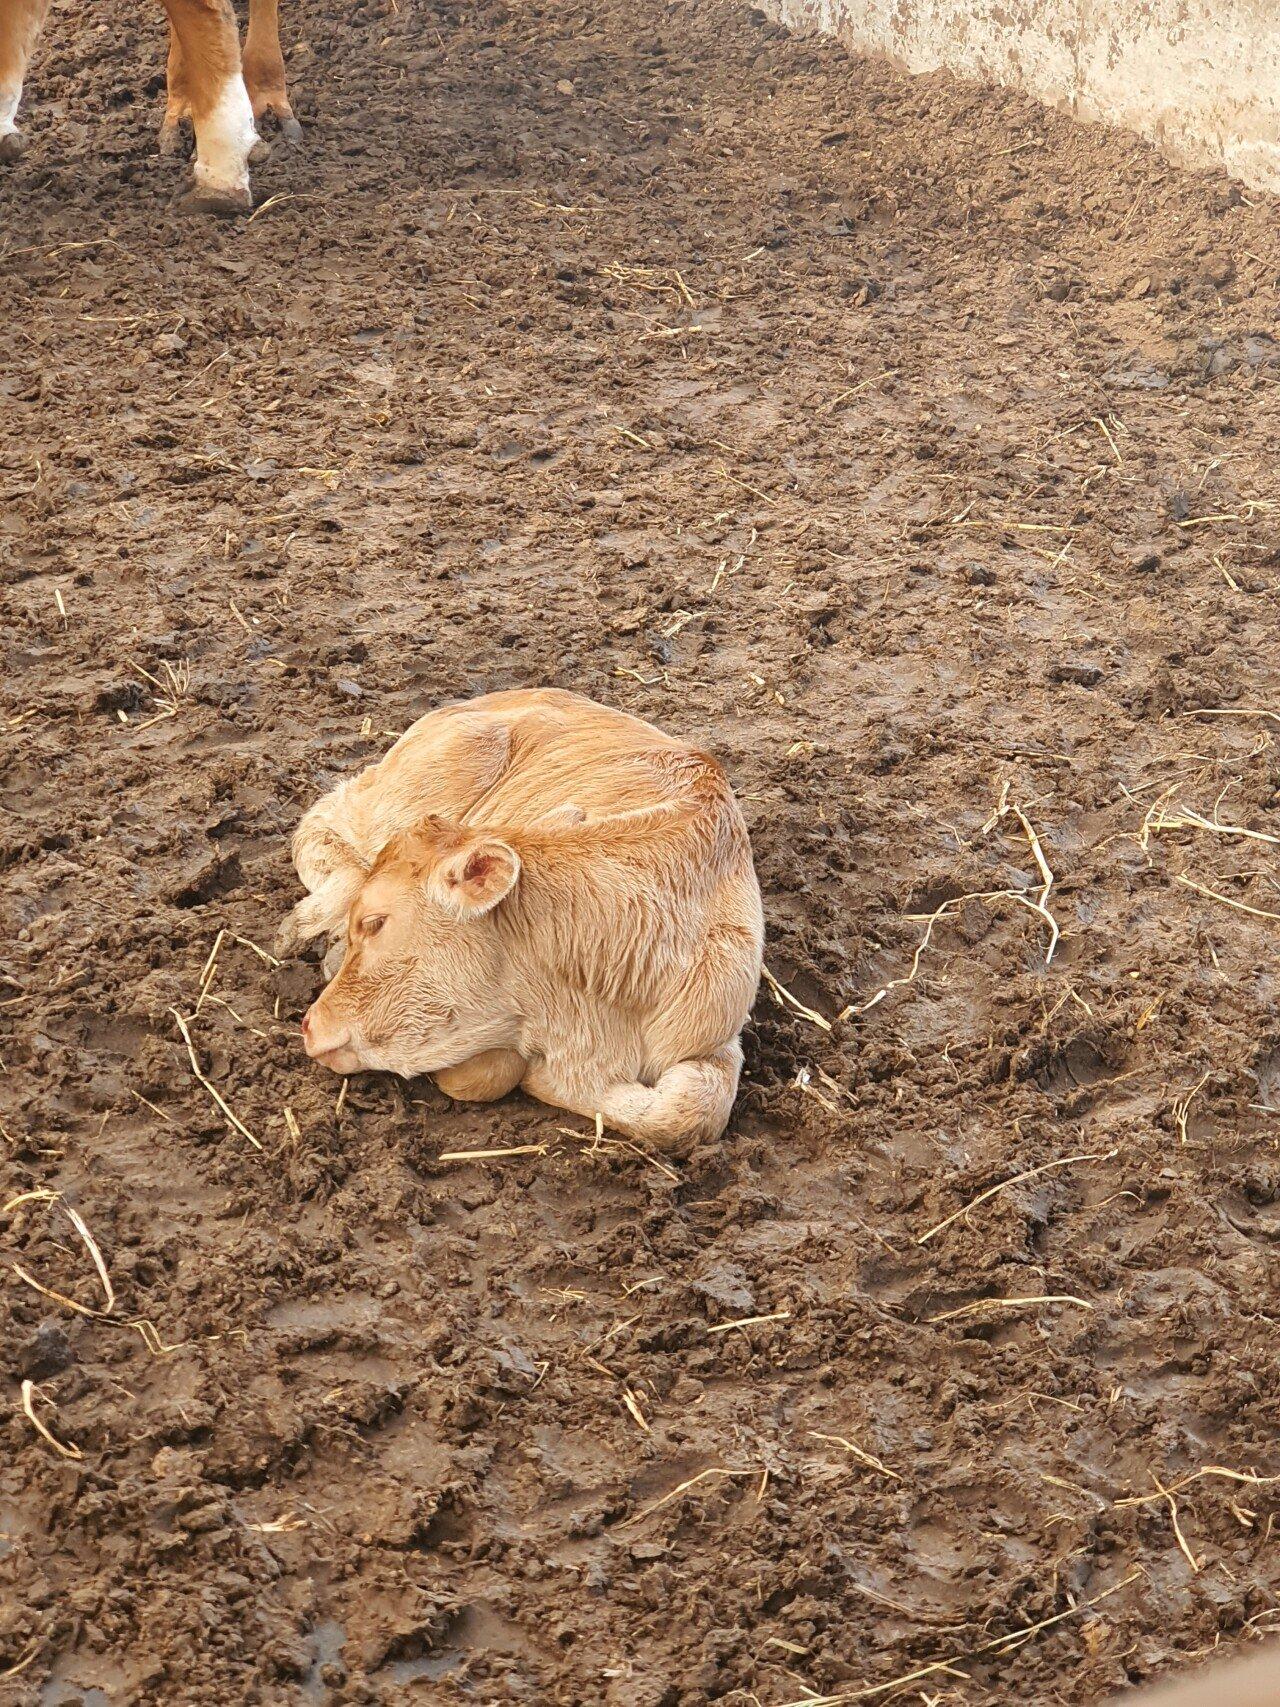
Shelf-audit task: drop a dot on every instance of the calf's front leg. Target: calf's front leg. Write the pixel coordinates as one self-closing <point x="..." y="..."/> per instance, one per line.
<point x="20" y="24"/>
<point x="264" y="69"/>
<point x="210" y="84"/>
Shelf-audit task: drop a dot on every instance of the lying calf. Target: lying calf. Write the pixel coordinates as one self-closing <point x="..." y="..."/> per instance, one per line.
<point x="532" y="889"/>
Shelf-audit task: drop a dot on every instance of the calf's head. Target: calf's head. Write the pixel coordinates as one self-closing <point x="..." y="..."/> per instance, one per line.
<point x="421" y="987"/>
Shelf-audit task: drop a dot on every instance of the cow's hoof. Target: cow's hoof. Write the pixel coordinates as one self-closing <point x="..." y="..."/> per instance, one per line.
<point x="203" y="199"/>
<point x="10" y="148"/>
<point x="291" y="131"/>
<point x="259" y="152"/>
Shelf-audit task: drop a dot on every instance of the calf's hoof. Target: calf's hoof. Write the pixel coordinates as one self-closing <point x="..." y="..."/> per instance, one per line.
<point x="204" y="199"/>
<point x="291" y="131"/>
<point x="259" y="152"/>
<point x="10" y="148"/>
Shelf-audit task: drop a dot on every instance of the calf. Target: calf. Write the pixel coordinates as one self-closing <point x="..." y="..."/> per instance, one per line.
<point x="531" y="889"/>
<point x="1252" y="1682"/>
<point x="223" y="94"/>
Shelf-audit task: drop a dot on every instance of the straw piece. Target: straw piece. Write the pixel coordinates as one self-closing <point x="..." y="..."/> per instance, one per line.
<point x="212" y="1089"/>
<point x="997" y="1645"/>
<point x="67" y="1448"/>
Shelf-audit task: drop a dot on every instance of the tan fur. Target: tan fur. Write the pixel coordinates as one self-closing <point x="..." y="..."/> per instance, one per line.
<point x="1250" y="1682"/>
<point x="535" y="888"/>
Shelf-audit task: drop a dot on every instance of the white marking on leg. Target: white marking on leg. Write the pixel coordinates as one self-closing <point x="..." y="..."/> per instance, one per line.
<point x="10" y="95"/>
<point x="223" y="141"/>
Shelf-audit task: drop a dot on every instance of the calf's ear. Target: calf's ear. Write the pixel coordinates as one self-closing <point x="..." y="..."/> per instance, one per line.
<point x="472" y="879"/>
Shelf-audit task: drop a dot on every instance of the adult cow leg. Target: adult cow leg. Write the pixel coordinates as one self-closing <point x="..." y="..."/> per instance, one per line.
<point x="178" y="98"/>
<point x="213" y="87"/>
<point x="264" y="69"/>
<point x="20" y="25"/>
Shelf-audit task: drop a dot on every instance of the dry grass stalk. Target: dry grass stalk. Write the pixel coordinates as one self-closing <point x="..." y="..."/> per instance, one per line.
<point x="785" y="999"/>
<point x="598" y="1141"/>
<point x="1181" y="1539"/>
<point x="633" y="1405"/>
<point x="90" y="1243"/>
<point x="682" y="1488"/>
<point x="857" y="1451"/>
<point x="22" y="1664"/>
<point x="980" y="1304"/>
<point x="1182" y="1105"/>
<point x="997" y="1645"/>
<point x="1232" y="711"/>
<point x="170" y="692"/>
<point x="1017" y="1179"/>
<point x="803" y="1082"/>
<point x="1185" y="818"/>
<point x="208" y="974"/>
<point x="66" y="1448"/>
<point x="138" y="1097"/>
<point x="493" y="1155"/>
<point x="931" y="919"/>
<point x="1216" y="895"/>
<point x="1040" y="906"/>
<point x="213" y="1091"/>
<point x="750" y="1321"/>
<point x="263" y="956"/>
<point x="1247" y="1477"/>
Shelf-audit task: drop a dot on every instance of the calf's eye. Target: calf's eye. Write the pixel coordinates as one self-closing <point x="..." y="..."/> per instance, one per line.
<point x="373" y="924"/>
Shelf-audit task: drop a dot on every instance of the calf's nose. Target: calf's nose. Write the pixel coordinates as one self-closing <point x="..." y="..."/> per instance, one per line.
<point x="319" y="1038"/>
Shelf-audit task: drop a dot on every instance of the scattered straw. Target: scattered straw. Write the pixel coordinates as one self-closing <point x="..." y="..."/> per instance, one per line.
<point x="1181" y="1539"/>
<point x="1040" y="906"/>
<point x="170" y="691"/>
<point x="998" y="1645"/>
<point x="263" y="956"/>
<point x="1232" y="711"/>
<point x="981" y="1304"/>
<point x="1216" y="895"/>
<point x="1182" y="1105"/>
<point x="682" y="1488"/>
<point x="90" y="1243"/>
<point x="493" y="1155"/>
<point x="138" y="1097"/>
<point x="208" y="974"/>
<point x="931" y="919"/>
<point x="633" y="1405"/>
<point x="66" y="1448"/>
<point x="22" y="1664"/>
<point x="1184" y="818"/>
<point x="863" y="1457"/>
<point x="1017" y="1179"/>
<point x="1247" y="1477"/>
<point x="231" y="1116"/>
<point x="750" y="1321"/>
<point x="785" y="999"/>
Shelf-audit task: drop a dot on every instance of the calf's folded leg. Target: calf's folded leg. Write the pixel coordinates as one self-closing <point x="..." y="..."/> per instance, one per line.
<point x="692" y="1099"/>
<point x="484" y="1078"/>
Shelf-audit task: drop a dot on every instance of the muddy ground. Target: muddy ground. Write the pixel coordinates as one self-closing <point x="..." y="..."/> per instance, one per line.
<point x="914" y="449"/>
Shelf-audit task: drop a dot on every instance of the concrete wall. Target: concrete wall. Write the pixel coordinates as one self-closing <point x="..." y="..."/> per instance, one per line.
<point x="1199" y="77"/>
